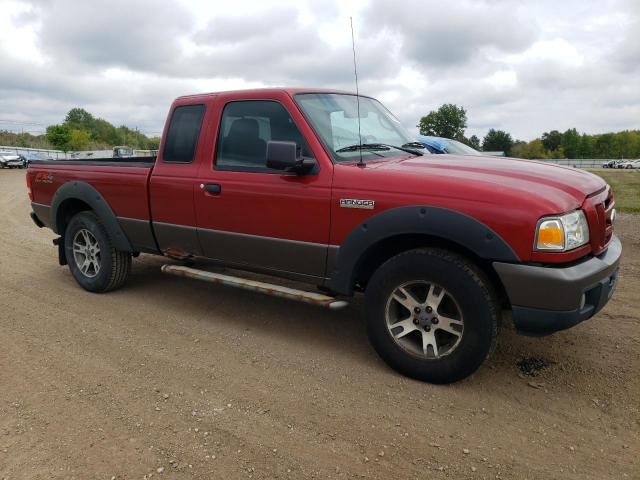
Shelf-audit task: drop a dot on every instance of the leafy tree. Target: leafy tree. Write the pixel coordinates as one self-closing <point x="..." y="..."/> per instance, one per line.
<point x="91" y="132"/>
<point x="80" y="119"/>
<point x="448" y="121"/>
<point x="79" y="139"/>
<point x="154" y="143"/>
<point x="474" y="142"/>
<point x="105" y="132"/>
<point x="59" y="136"/>
<point x="551" y="140"/>
<point x="605" y="146"/>
<point x="518" y="149"/>
<point x="497" y="140"/>
<point x="571" y="143"/>
<point x="532" y="149"/>
<point x="24" y="140"/>
<point x="586" y="146"/>
<point x="557" y="153"/>
<point x="629" y="143"/>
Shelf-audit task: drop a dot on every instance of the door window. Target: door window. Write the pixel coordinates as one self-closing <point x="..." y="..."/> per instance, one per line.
<point x="245" y="129"/>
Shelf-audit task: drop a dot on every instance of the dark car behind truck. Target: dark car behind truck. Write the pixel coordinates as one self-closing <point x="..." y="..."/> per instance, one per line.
<point x="279" y="181"/>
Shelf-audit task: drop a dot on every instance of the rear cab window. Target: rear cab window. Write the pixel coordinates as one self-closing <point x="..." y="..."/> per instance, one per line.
<point x="183" y="133"/>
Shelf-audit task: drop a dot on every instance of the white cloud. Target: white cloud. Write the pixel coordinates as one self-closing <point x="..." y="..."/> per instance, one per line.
<point x="19" y="32"/>
<point x="522" y="66"/>
<point x="503" y="79"/>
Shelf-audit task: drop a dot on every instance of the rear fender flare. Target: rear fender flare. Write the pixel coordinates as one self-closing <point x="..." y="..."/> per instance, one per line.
<point x="89" y="195"/>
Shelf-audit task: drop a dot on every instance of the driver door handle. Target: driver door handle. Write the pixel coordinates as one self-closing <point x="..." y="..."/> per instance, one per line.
<point x="212" y="188"/>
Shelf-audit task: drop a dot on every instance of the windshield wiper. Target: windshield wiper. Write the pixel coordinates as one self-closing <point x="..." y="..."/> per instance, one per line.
<point x="414" y="145"/>
<point x="364" y="146"/>
<point x="376" y="146"/>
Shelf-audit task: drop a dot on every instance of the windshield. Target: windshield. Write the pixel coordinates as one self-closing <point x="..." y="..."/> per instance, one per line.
<point x="454" y="146"/>
<point x="335" y="119"/>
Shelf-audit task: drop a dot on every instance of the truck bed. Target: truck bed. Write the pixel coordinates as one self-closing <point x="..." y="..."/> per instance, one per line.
<point x="121" y="183"/>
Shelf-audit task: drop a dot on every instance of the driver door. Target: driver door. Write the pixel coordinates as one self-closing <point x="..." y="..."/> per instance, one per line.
<point x="254" y="217"/>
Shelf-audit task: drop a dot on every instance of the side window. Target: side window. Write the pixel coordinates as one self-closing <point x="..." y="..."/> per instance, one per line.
<point x="183" y="133"/>
<point x="245" y="129"/>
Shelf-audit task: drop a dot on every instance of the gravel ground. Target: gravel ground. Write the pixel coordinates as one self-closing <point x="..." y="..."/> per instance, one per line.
<point x="172" y="378"/>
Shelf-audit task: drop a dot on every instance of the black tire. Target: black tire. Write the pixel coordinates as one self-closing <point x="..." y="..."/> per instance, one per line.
<point x="114" y="265"/>
<point x="466" y="287"/>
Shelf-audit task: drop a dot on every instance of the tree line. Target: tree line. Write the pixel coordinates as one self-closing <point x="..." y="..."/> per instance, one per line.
<point x="26" y="140"/>
<point x="81" y="131"/>
<point x="450" y="121"/>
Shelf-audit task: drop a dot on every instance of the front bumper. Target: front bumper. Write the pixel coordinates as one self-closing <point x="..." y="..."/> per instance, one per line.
<point x="548" y="299"/>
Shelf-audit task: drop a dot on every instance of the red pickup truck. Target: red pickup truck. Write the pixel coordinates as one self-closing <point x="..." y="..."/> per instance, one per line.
<point x="329" y="189"/>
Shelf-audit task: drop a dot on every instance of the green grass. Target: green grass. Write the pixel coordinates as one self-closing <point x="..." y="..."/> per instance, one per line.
<point x="626" y="187"/>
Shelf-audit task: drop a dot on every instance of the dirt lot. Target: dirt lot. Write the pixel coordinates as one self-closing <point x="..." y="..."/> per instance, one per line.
<point x="180" y="379"/>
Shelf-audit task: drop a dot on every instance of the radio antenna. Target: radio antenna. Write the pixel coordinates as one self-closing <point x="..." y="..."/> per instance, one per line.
<point x="355" y="72"/>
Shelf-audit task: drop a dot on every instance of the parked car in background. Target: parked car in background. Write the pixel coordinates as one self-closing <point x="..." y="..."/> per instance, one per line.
<point x="11" y="160"/>
<point x="28" y="157"/>
<point x="119" y="151"/>
<point x="629" y="164"/>
<point x="611" y="164"/>
<point x="122" y="152"/>
<point x="446" y="145"/>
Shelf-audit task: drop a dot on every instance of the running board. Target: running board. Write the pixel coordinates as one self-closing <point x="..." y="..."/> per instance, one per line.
<point x="262" y="287"/>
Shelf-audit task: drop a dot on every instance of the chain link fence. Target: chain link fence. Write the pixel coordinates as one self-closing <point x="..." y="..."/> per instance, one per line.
<point x="582" y="162"/>
<point x="40" y="152"/>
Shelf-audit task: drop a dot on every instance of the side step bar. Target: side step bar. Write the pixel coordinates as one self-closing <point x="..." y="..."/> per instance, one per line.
<point x="262" y="287"/>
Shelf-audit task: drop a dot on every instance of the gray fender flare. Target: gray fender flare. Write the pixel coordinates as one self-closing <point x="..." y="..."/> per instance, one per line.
<point x="89" y="195"/>
<point x="433" y="221"/>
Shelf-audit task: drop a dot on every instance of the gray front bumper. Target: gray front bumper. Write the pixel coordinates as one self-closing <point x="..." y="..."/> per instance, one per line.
<point x="548" y="299"/>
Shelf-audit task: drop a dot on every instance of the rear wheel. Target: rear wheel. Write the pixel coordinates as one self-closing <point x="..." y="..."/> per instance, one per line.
<point x="431" y="315"/>
<point x="93" y="260"/>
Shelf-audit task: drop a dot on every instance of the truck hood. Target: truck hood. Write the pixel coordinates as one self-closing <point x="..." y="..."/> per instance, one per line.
<point x="553" y="187"/>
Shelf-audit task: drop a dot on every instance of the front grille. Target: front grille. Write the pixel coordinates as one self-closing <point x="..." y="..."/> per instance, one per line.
<point x="608" y="205"/>
<point x="603" y="228"/>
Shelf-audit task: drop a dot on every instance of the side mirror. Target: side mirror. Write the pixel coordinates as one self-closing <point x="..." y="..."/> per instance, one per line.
<point x="284" y="156"/>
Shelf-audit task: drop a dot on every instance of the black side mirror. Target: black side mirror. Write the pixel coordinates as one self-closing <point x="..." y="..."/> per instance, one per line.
<point x="284" y="156"/>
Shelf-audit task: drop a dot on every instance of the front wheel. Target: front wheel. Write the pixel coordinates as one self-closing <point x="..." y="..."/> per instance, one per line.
<point x="93" y="260"/>
<point x="431" y="315"/>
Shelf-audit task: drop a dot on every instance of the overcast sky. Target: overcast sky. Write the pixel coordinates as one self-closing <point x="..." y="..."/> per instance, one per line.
<point x="522" y="66"/>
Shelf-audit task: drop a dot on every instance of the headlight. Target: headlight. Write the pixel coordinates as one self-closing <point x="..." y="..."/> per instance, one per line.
<point x="562" y="233"/>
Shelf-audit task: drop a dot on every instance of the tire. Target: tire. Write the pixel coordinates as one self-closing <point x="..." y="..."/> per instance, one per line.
<point x="108" y="268"/>
<point x="466" y="305"/>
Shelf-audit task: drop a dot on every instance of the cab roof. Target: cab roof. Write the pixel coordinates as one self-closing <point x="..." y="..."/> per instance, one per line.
<point x="290" y="91"/>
